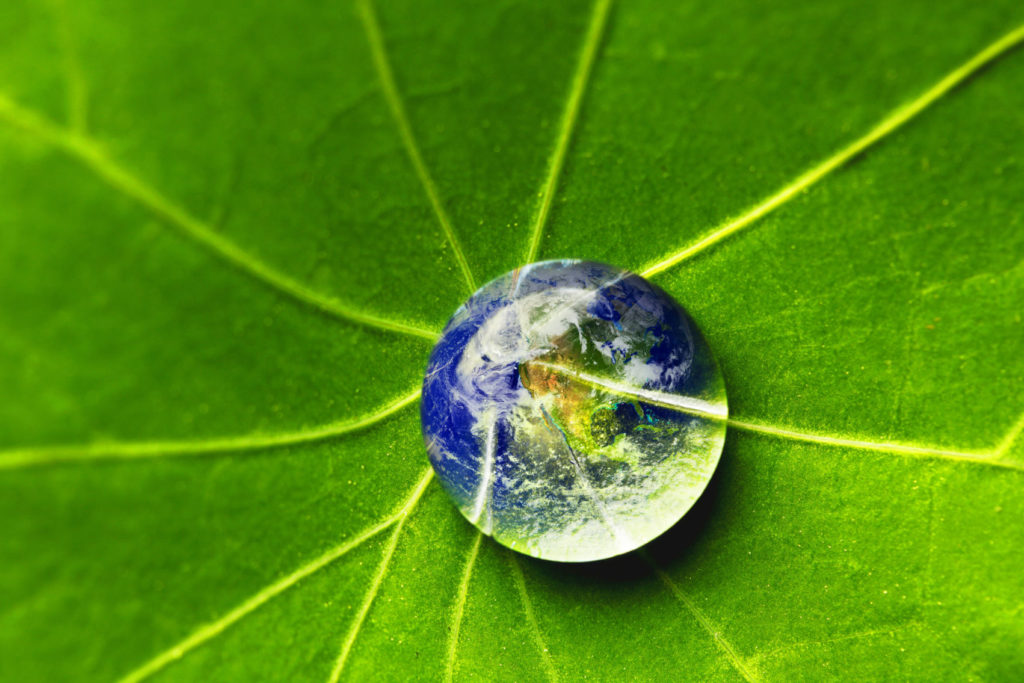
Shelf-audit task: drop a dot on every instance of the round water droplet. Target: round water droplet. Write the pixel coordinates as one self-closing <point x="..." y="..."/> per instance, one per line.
<point x="573" y="410"/>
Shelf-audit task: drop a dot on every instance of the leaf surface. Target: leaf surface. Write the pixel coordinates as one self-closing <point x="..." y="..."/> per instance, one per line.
<point x="229" y="233"/>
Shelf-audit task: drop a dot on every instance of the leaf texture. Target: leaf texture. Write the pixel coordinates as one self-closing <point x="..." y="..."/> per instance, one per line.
<point x="230" y="232"/>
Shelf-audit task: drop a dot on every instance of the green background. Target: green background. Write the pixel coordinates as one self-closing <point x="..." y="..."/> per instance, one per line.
<point x="883" y="304"/>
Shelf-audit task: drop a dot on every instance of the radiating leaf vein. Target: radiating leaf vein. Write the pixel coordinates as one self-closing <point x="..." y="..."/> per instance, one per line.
<point x="531" y="619"/>
<point x="700" y="408"/>
<point x="1011" y="437"/>
<point x="133" y="450"/>
<point x="394" y="99"/>
<point x="455" y="623"/>
<point x="992" y="458"/>
<point x="577" y="89"/>
<point x="886" y="126"/>
<point x="721" y="641"/>
<point x="208" y="631"/>
<point x="378" y="577"/>
<point x="91" y="155"/>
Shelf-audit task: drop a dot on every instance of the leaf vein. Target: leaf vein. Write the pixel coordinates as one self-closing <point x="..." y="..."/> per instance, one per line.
<point x="387" y="81"/>
<point x="531" y="619"/>
<point x="379" y="576"/>
<point x="886" y="126"/>
<point x="89" y="153"/>
<point x="720" y="640"/>
<point x="700" y="408"/>
<point x="1011" y="437"/>
<point x="209" y="631"/>
<point x="577" y="89"/>
<point x="913" y="450"/>
<point x="133" y="450"/>
<point x="455" y="623"/>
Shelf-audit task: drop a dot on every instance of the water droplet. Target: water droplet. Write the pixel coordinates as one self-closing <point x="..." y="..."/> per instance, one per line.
<point x="573" y="411"/>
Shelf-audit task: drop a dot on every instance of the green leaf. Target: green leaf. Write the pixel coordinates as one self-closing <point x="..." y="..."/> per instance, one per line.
<point x="229" y="233"/>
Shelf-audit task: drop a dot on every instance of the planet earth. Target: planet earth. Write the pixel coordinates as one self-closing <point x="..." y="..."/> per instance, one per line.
<point x="573" y="411"/>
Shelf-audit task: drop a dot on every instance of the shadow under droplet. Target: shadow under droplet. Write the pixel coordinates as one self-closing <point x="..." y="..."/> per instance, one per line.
<point x="665" y="551"/>
<point x="674" y="545"/>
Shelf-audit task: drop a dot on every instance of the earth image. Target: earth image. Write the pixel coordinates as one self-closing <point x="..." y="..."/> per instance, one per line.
<point x="573" y="411"/>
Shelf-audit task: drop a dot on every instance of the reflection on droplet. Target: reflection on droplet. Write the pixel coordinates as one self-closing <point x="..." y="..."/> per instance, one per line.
<point x="573" y="411"/>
